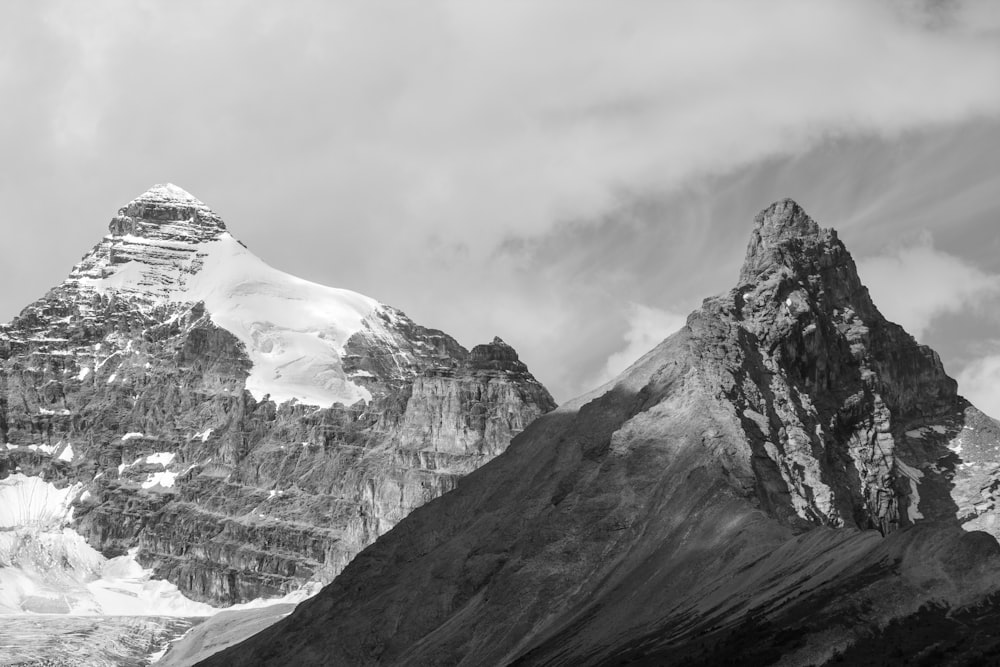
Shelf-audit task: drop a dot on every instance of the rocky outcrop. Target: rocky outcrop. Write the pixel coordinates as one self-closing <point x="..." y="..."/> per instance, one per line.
<point x="117" y="380"/>
<point x="786" y="472"/>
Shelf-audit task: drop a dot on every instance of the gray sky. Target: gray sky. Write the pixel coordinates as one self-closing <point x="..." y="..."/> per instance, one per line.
<point x="572" y="176"/>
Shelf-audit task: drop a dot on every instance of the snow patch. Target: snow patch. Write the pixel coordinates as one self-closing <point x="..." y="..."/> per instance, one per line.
<point x="50" y="569"/>
<point x="163" y="479"/>
<point x="131" y="436"/>
<point x="203" y="435"/>
<point x="914" y="475"/>
<point x="294" y="330"/>
<point x="161" y="458"/>
<point x="67" y="453"/>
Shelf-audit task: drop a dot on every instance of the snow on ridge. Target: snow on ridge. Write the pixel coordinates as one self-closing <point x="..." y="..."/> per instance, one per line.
<point x="168" y="192"/>
<point x="294" y="330"/>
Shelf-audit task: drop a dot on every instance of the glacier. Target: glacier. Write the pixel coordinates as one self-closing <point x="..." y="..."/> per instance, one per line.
<point x="294" y="330"/>
<point x="50" y="578"/>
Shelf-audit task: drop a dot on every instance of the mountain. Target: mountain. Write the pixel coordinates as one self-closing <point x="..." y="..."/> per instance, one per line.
<point x="238" y="431"/>
<point x="786" y="477"/>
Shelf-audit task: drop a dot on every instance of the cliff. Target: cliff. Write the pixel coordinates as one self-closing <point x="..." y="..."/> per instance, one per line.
<point x="248" y="431"/>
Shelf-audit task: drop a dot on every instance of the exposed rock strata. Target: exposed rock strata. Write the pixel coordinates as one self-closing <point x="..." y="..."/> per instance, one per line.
<point x="109" y="380"/>
<point x="784" y="474"/>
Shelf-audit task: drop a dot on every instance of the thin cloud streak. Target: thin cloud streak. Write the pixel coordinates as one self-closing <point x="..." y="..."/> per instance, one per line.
<point x="913" y="285"/>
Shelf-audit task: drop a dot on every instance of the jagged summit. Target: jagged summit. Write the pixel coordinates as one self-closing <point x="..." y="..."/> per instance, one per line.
<point x="781" y="233"/>
<point x="168" y="192"/>
<point x="168" y="213"/>
<point x="784" y="219"/>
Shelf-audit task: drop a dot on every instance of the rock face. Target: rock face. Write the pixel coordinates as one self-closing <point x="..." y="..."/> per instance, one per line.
<point x="248" y="431"/>
<point x="784" y="474"/>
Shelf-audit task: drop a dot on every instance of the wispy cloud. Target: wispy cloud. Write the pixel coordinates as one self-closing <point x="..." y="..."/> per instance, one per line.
<point x="914" y="284"/>
<point x="980" y="383"/>
<point x="647" y="327"/>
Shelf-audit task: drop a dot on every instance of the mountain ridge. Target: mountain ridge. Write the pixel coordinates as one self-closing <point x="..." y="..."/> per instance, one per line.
<point x="786" y="472"/>
<point x="243" y="430"/>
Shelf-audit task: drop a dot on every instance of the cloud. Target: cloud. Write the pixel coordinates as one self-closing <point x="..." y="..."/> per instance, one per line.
<point x="912" y="285"/>
<point x="512" y="115"/>
<point x="980" y="383"/>
<point x="647" y="327"/>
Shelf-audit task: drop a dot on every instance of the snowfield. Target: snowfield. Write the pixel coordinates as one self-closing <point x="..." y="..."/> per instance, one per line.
<point x="294" y="330"/>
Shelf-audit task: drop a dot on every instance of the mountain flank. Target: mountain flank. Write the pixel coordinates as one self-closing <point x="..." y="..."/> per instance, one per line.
<point x="242" y="432"/>
<point x="787" y="476"/>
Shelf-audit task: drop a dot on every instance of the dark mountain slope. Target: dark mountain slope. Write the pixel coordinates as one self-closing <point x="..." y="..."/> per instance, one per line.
<point x="727" y="498"/>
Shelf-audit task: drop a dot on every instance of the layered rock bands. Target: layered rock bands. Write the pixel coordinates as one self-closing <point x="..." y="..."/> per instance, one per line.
<point x="121" y="381"/>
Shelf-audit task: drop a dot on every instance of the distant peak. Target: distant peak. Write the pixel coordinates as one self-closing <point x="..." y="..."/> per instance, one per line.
<point x="776" y="229"/>
<point x="167" y="205"/>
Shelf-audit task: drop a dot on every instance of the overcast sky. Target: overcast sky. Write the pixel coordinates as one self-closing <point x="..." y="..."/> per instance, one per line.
<point x="572" y="176"/>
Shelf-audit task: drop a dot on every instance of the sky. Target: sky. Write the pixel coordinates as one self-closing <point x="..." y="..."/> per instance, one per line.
<point x="573" y="176"/>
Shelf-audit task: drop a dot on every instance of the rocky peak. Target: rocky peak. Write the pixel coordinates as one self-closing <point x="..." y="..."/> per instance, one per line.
<point x="782" y="230"/>
<point x="171" y="350"/>
<point x="496" y="355"/>
<point x="794" y="272"/>
<point x="167" y="212"/>
<point x="156" y="242"/>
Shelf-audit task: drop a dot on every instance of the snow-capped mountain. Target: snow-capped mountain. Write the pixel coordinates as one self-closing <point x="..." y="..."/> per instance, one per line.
<point x="235" y="430"/>
<point x="789" y="479"/>
<point x="167" y="248"/>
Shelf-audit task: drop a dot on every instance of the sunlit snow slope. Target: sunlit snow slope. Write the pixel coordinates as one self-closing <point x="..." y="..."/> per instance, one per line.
<point x="47" y="567"/>
<point x="294" y="330"/>
<point x="50" y="578"/>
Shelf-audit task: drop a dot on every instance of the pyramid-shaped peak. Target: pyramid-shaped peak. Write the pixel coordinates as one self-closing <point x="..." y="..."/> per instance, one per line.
<point x="776" y="229"/>
<point x="784" y="219"/>
<point x="170" y="206"/>
<point x="163" y="192"/>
